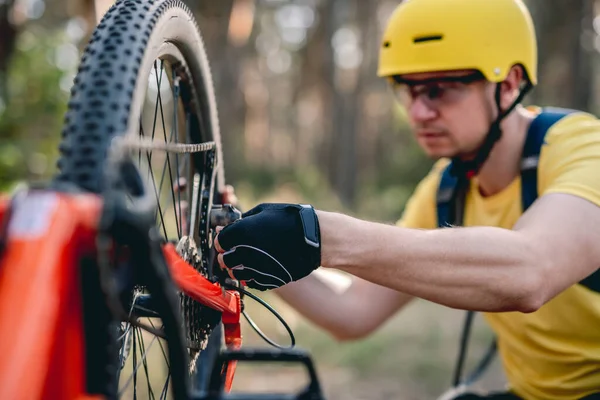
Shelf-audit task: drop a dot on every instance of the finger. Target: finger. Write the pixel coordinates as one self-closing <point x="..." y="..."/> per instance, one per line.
<point x="229" y="189"/>
<point x="268" y="206"/>
<point x="247" y="264"/>
<point x="231" y="235"/>
<point x="181" y="211"/>
<point x="216" y="242"/>
<point x="253" y="280"/>
<point x="254" y="211"/>
<point x="180" y="185"/>
<point x="182" y="206"/>
<point x="228" y="195"/>
<point x="230" y="199"/>
<point x="223" y="267"/>
<point x="184" y="227"/>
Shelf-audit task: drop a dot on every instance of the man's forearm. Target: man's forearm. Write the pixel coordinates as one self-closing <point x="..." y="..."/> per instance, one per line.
<point x="347" y="309"/>
<point x="480" y="268"/>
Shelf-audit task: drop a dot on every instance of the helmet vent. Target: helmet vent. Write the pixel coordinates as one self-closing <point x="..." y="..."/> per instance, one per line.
<point x="428" y="38"/>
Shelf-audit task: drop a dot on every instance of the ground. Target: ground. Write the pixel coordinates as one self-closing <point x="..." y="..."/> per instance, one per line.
<point x="411" y="357"/>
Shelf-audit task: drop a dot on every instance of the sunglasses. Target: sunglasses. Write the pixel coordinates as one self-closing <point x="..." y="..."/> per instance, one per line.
<point x="435" y="92"/>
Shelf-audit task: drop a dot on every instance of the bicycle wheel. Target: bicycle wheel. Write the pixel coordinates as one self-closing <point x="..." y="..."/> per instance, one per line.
<point x="145" y="75"/>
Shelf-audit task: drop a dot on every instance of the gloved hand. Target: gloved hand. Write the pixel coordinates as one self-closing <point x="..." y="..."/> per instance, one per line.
<point x="272" y="245"/>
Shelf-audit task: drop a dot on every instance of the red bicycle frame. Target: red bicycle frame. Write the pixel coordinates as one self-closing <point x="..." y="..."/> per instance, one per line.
<point x="212" y="295"/>
<point x="42" y="339"/>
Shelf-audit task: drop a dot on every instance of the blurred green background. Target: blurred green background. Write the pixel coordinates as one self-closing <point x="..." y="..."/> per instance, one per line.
<point x="303" y="118"/>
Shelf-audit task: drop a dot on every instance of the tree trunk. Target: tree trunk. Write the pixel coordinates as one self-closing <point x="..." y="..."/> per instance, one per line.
<point x="8" y="33"/>
<point x="226" y="66"/>
<point x="582" y="77"/>
<point x="564" y="81"/>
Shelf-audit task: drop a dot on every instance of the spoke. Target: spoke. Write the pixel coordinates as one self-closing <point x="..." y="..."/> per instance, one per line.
<point x="162" y="118"/>
<point x="161" y="346"/>
<point x="162" y="222"/>
<point x="129" y="331"/>
<point x="195" y="186"/>
<point x="159" y="81"/>
<point x="153" y="135"/>
<point x="162" y="178"/>
<point x="145" y="362"/>
<point x="136" y="367"/>
<point x="149" y="158"/>
<point x="178" y="216"/>
<point x="165" y="388"/>
<point x="176" y="130"/>
<point x="141" y="135"/>
<point x="122" y="356"/>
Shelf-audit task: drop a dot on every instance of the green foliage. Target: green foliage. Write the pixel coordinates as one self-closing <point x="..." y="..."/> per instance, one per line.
<point x="32" y="113"/>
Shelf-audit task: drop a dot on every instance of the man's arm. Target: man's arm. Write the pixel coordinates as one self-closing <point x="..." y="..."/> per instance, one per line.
<point x="363" y="306"/>
<point x="347" y="313"/>
<point x="554" y="245"/>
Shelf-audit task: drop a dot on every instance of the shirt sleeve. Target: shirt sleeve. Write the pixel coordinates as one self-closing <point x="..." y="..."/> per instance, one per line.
<point x="420" y="210"/>
<point x="570" y="158"/>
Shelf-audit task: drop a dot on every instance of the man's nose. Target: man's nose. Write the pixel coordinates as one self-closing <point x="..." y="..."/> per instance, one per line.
<point x="420" y="111"/>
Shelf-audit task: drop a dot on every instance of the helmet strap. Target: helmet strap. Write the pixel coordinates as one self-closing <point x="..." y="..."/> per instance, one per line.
<point x="465" y="170"/>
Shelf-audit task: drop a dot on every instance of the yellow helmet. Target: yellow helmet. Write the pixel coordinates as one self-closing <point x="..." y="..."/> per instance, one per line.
<point x="440" y="35"/>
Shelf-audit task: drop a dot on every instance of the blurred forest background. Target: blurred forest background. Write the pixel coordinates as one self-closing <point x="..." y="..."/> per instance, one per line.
<point x="303" y="118"/>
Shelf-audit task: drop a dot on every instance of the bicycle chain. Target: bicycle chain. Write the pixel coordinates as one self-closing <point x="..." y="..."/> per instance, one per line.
<point x="202" y="320"/>
<point x="131" y="142"/>
<point x="206" y="201"/>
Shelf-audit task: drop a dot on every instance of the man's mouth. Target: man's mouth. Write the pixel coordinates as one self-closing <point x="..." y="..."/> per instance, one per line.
<point x="430" y="134"/>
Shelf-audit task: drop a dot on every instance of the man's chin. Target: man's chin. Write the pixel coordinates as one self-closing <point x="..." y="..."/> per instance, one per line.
<point x="437" y="153"/>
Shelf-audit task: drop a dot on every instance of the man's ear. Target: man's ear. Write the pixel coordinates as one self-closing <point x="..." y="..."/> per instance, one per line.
<point x="511" y="86"/>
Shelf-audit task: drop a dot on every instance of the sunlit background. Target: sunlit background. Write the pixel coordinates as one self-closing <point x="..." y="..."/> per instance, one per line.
<point x="303" y="118"/>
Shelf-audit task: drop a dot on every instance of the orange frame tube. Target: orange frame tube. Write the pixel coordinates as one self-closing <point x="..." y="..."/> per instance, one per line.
<point x="42" y="341"/>
<point x="211" y="295"/>
<point x="41" y="329"/>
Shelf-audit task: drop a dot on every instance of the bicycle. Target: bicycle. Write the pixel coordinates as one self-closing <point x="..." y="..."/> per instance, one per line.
<point x="92" y="259"/>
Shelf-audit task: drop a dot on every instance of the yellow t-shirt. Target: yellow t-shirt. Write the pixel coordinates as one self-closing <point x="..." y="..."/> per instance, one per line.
<point x="553" y="353"/>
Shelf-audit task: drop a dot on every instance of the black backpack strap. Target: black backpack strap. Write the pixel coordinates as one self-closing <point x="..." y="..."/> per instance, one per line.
<point x="531" y="151"/>
<point x="447" y="190"/>
<point x="445" y="196"/>
<point x="450" y="203"/>
<point x="535" y="140"/>
<point x="450" y="199"/>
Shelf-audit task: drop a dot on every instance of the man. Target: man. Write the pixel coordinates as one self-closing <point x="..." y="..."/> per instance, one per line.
<point x="461" y="68"/>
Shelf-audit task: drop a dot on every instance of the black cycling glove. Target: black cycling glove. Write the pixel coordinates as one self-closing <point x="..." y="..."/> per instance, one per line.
<point x="272" y="245"/>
